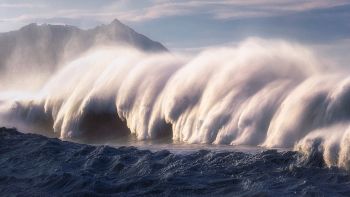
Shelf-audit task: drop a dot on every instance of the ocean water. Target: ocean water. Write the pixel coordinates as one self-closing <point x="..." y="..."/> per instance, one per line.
<point x="261" y="118"/>
<point x="34" y="165"/>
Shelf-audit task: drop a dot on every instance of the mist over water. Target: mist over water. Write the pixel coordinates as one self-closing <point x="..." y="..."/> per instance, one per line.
<point x="268" y="93"/>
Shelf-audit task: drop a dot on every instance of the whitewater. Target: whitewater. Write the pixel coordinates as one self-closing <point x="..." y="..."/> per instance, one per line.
<point x="267" y="93"/>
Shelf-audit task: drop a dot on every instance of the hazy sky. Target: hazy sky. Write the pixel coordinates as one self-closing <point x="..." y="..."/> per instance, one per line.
<point x="194" y="24"/>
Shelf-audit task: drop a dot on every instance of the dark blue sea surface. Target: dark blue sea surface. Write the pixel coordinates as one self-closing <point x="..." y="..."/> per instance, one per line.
<point x="33" y="165"/>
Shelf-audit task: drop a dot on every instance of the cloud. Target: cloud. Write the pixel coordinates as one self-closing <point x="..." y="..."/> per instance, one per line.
<point x="156" y="11"/>
<point x="150" y="10"/>
<point x="21" y="5"/>
<point x="225" y="9"/>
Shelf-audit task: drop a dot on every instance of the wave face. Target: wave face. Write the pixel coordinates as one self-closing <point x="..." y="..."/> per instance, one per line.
<point x="262" y="92"/>
<point x="35" y="165"/>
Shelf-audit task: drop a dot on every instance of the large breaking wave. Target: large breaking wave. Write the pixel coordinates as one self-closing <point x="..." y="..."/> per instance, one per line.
<point x="262" y="92"/>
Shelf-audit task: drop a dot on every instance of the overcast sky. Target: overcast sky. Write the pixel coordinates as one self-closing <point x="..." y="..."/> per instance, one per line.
<point x="193" y="24"/>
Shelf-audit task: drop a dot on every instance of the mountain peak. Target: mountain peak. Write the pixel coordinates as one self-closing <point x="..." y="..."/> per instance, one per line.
<point x="47" y="46"/>
<point x="36" y="26"/>
<point x="117" y="31"/>
<point x="29" y="26"/>
<point x="116" y="22"/>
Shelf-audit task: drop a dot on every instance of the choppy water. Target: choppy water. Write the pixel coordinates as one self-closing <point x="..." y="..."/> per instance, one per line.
<point x="35" y="165"/>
